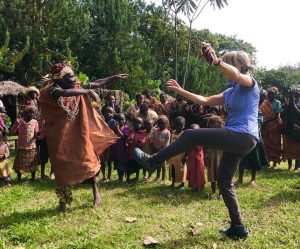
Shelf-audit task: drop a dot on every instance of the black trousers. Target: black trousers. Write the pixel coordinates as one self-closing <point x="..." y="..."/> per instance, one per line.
<point x="235" y="146"/>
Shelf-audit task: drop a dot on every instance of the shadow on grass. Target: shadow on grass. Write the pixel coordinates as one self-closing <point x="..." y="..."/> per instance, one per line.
<point x="27" y="216"/>
<point x="291" y="195"/>
<point x="156" y="193"/>
<point x="190" y="241"/>
<point x="280" y="173"/>
<point x="37" y="215"/>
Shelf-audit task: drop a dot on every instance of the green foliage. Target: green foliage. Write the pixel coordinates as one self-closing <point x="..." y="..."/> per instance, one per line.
<point x="8" y="59"/>
<point x="102" y="37"/>
<point x="83" y="78"/>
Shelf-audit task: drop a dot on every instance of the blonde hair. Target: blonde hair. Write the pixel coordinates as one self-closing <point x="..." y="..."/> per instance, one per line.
<point x="241" y="58"/>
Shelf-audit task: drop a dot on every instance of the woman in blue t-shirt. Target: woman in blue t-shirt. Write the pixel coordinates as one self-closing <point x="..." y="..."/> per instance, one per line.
<point x="236" y="139"/>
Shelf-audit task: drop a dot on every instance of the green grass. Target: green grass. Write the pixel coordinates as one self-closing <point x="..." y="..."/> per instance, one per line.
<point x="29" y="217"/>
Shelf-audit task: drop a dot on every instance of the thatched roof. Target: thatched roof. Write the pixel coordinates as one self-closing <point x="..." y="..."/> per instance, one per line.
<point x="10" y="88"/>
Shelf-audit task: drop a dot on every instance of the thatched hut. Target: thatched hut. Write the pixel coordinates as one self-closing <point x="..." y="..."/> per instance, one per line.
<point x="9" y="93"/>
<point x="10" y="88"/>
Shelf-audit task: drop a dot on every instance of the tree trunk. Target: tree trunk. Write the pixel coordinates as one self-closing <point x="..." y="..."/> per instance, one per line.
<point x="176" y="48"/>
<point x="187" y="56"/>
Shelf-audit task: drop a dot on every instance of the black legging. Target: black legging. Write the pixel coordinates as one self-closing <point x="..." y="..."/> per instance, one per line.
<point x="235" y="146"/>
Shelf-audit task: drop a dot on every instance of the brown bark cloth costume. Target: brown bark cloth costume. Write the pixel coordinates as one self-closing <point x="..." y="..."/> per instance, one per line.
<point x="75" y="141"/>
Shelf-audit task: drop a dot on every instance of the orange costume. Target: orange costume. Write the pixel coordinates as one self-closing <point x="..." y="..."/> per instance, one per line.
<point x="74" y="144"/>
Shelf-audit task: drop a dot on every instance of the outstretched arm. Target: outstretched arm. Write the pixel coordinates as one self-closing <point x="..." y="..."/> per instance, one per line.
<point x="100" y="82"/>
<point x="230" y="72"/>
<point x="197" y="99"/>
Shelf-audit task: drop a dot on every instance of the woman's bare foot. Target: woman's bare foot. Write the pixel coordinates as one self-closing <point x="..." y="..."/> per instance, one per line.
<point x="252" y="183"/>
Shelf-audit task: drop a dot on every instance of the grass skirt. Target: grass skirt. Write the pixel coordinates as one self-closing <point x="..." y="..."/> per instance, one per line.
<point x="26" y="160"/>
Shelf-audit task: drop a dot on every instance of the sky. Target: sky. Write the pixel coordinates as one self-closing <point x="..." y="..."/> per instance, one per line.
<point x="271" y="26"/>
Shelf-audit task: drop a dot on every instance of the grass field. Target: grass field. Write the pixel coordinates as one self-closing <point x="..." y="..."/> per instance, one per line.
<point x="29" y="218"/>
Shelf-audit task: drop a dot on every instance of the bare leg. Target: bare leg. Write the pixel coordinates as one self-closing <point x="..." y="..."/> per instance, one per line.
<point x="297" y="164"/>
<point x="103" y="170"/>
<point x="109" y="168"/>
<point x="173" y="175"/>
<point x="158" y="172"/>
<point x="163" y="175"/>
<point x="19" y="176"/>
<point x="96" y="193"/>
<point x="43" y="166"/>
<point x="52" y="174"/>
<point x="253" y="177"/>
<point x="241" y="176"/>
<point x="290" y="163"/>
<point x="213" y="187"/>
<point x="33" y="176"/>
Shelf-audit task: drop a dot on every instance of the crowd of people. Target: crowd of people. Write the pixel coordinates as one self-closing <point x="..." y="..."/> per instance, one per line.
<point x="152" y="124"/>
<point x="60" y="121"/>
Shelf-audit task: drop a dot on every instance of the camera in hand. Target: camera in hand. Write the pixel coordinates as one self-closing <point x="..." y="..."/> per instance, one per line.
<point x="207" y="55"/>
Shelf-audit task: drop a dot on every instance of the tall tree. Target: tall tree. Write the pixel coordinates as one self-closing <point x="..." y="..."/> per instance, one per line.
<point x="175" y="6"/>
<point x="192" y="9"/>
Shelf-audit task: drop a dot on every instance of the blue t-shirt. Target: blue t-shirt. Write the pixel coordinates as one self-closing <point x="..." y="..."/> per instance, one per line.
<point x="241" y="104"/>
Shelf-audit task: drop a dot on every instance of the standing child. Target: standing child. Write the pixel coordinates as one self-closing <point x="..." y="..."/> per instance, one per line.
<point x="106" y="156"/>
<point x="213" y="155"/>
<point x="5" y="171"/>
<point x="195" y="166"/>
<point x="177" y="169"/>
<point x="148" y="146"/>
<point x="161" y="139"/>
<point x="27" y="156"/>
<point x="119" y="149"/>
<point x="43" y="150"/>
<point x="137" y="138"/>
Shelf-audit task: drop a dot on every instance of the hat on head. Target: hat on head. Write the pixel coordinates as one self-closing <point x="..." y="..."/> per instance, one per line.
<point x="59" y="70"/>
<point x="31" y="89"/>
